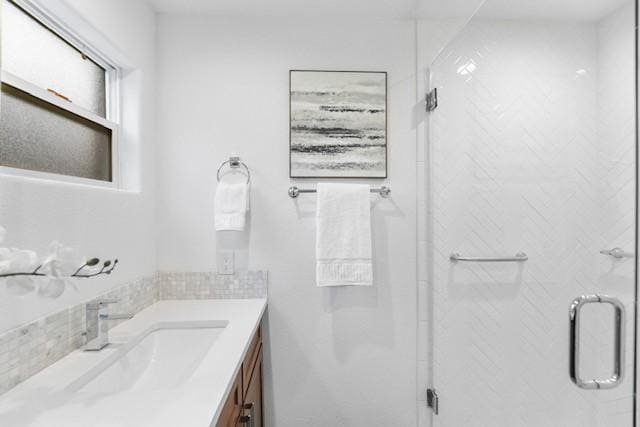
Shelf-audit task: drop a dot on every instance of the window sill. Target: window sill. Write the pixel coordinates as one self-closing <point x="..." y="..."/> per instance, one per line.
<point x="62" y="180"/>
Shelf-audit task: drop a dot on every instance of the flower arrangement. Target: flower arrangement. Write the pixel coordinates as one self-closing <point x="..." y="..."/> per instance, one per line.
<point x="21" y="268"/>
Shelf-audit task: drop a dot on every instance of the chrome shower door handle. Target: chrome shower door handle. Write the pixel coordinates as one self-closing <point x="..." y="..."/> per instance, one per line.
<point x="574" y="342"/>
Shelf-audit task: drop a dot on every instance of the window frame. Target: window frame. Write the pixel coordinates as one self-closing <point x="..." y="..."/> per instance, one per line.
<point x="111" y="120"/>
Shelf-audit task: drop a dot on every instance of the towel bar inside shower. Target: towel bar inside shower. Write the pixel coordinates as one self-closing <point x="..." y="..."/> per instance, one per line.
<point x="519" y="257"/>
<point x="294" y="191"/>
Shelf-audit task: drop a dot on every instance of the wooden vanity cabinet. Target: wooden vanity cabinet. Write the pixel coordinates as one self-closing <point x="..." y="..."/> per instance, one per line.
<point x="243" y="407"/>
<point x="232" y="409"/>
<point x="253" y="398"/>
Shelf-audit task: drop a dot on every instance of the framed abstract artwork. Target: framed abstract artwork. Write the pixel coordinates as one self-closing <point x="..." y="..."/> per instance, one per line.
<point x="337" y="124"/>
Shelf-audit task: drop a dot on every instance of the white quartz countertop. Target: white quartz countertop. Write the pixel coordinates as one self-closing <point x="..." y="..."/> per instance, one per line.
<point x="43" y="400"/>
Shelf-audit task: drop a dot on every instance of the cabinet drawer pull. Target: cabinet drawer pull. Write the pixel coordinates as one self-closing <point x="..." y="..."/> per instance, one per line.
<point x="247" y="420"/>
<point x="251" y="407"/>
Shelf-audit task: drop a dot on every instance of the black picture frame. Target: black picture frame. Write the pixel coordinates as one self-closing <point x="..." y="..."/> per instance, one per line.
<point x="386" y="125"/>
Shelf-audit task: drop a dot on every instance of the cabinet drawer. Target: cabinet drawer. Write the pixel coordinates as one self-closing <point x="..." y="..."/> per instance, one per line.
<point x="253" y="398"/>
<point x="236" y="411"/>
<point x="250" y="360"/>
<point x="233" y="406"/>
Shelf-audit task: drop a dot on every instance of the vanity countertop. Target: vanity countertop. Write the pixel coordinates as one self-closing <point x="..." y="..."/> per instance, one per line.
<point x="44" y="401"/>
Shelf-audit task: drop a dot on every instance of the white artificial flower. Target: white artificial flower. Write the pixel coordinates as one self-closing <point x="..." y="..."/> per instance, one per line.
<point x="17" y="260"/>
<point x="14" y="260"/>
<point x="52" y="287"/>
<point x="22" y="260"/>
<point x="5" y="260"/>
<point x="5" y="253"/>
<point x="61" y="261"/>
<point x="58" y="265"/>
<point x="20" y="285"/>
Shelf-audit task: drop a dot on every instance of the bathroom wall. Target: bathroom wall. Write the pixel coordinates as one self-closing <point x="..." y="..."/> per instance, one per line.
<point x="98" y="222"/>
<point x="344" y="356"/>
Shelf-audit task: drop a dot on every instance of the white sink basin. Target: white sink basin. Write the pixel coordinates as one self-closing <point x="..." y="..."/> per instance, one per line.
<point x="164" y="356"/>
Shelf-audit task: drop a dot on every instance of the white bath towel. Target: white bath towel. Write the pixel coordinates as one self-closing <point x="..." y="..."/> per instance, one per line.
<point x="343" y="235"/>
<point x="231" y="206"/>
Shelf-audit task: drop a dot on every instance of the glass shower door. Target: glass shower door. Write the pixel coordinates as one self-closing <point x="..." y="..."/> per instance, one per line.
<point x="533" y="197"/>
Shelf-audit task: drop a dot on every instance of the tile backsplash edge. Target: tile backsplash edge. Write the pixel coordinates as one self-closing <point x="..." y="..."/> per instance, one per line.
<point x="29" y="348"/>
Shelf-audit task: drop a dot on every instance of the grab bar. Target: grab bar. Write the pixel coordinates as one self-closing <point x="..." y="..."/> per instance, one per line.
<point x="519" y="257"/>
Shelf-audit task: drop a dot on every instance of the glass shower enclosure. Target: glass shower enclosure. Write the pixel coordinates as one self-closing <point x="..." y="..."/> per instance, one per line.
<point x="532" y="188"/>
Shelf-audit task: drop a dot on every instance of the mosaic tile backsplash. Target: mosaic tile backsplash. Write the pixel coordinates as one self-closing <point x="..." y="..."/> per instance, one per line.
<point x="26" y="350"/>
<point x="249" y="284"/>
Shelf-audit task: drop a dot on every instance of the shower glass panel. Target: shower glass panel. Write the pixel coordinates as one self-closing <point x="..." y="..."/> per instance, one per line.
<point x="533" y="155"/>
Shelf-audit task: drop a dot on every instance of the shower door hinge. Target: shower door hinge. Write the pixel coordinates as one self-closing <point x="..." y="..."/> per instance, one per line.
<point x="432" y="100"/>
<point x="432" y="400"/>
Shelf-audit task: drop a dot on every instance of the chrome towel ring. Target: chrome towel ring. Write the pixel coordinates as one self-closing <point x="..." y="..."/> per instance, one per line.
<point x="234" y="162"/>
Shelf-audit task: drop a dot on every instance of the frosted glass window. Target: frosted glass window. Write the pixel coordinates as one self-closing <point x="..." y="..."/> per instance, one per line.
<point x="39" y="136"/>
<point x="34" y="53"/>
<point x="54" y="115"/>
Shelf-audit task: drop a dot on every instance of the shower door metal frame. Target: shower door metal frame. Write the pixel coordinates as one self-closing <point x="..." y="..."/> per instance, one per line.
<point x="637" y="181"/>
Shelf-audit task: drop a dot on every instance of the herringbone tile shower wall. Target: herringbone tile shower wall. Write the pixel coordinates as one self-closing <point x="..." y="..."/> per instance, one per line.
<point x="532" y="149"/>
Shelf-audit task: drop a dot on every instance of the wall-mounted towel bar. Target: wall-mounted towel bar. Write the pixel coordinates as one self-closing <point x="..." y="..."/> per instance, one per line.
<point x="519" y="257"/>
<point x="294" y="191"/>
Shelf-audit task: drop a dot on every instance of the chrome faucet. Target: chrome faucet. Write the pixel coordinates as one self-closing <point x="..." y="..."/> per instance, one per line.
<point x="97" y="317"/>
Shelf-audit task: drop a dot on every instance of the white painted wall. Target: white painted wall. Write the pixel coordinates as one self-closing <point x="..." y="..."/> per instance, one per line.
<point x="334" y="357"/>
<point x="97" y="221"/>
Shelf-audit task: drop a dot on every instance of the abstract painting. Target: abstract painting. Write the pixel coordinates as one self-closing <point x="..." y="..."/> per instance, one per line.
<point x="338" y="124"/>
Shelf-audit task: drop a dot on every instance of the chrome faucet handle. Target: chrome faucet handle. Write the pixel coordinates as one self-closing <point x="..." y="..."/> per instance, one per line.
<point x="97" y="317"/>
<point x="119" y="316"/>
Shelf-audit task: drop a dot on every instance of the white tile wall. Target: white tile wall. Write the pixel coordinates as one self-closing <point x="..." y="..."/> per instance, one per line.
<point x="531" y="151"/>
